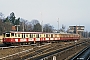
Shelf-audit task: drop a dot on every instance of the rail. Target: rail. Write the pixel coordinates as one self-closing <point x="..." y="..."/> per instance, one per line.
<point x="83" y="55"/>
<point x="52" y="52"/>
<point x="37" y="52"/>
<point x="18" y="53"/>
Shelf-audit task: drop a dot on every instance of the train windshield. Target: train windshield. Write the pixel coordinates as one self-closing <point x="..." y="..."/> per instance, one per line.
<point x="7" y="34"/>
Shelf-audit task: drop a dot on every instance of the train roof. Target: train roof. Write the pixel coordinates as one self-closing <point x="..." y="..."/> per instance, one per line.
<point x="34" y="32"/>
<point x="20" y="32"/>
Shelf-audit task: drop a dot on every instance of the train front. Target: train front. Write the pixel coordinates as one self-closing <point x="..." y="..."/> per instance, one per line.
<point x="7" y="38"/>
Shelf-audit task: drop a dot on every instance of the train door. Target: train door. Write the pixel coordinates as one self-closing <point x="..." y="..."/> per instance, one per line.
<point x="30" y="37"/>
<point x="37" y="37"/>
<point x="34" y="38"/>
<point x="23" y="37"/>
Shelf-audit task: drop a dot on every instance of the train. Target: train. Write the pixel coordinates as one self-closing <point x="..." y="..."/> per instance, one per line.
<point x="17" y="37"/>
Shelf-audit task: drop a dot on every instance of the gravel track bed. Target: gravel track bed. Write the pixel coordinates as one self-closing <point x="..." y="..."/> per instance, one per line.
<point x="10" y="51"/>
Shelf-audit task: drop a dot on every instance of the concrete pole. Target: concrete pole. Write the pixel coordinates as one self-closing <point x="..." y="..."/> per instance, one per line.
<point x="42" y="22"/>
<point x="58" y="24"/>
<point x="42" y="26"/>
<point x="23" y="26"/>
<point x="17" y="28"/>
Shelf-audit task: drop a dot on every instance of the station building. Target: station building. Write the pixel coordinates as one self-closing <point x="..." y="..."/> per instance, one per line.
<point x="76" y="29"/>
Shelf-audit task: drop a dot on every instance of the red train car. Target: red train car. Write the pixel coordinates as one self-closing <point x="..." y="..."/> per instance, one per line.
<point x="13" y="37"/>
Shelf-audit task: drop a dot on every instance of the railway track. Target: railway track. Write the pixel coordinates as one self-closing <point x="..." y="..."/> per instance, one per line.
<point x="6" y="52"/>
<point x="40" y="51"/>
<point x="15" y="46"/>
<point x="83" y="55"/>
<point x="52" y="51"/>
<point x="37" y="51"/>
<point x="31" y="52"/>
<point x="21" y="50"/>
<point x="3" y="46"/>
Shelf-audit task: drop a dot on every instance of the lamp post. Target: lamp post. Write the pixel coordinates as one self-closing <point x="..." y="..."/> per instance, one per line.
<point x="23" y="26"/>
<point x="42" y="26"/>
<point x="42" y="22"/>
<point x="17" y="26"/>
<point x="58" y="24"/>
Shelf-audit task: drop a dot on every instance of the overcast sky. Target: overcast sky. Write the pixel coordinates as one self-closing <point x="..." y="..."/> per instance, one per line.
<point x="69" y="12"/>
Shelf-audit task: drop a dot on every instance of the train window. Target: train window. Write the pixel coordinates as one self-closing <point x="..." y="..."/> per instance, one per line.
<point x="26" y="35"/>
<point x="51" y="35"/>
<point x="18" y="35"/>
<point x="7" y="34"/>
<point x="12" y="34"/>
<point x="55" y="35"/>
<point x="15" y="35"/>
<point x="37" y="36"/>
<point x="31" y="36"/>
<point x="46" y="35"/>
<point x="40" y="35"/>
<point x="22" y="35"/>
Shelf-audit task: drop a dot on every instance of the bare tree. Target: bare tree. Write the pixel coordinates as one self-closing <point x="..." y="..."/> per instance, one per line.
<point x="23" y="24"/>
<point x="63" y="28"/>
<point x="48" y="28"/>
<point x="29" y="26"/>
<point x="2" y="16"/>
<point x="34" y="22"/>
<point x="37" y="28"/>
